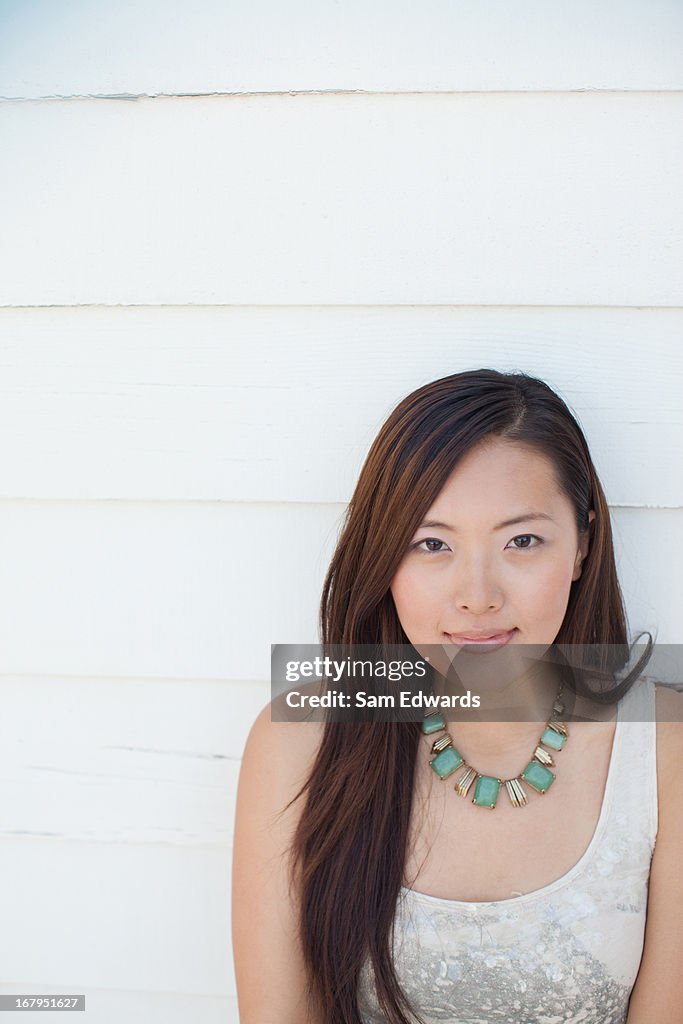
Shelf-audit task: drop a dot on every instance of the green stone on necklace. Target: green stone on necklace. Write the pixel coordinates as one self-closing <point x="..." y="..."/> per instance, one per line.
<point x="447" y="760"/>
<point x="433" y="722"/>
<point x="538" y="776"/>
<point x="486" y="791"/>
<point x="552" y="739"/>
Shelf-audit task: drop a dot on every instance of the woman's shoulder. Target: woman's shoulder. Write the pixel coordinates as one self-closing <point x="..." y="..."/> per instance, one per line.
<point x="269" y="966"/>
<point x="659" y="985"/>
<point x="669" y="719"/>
<point x="286" y="738"/>
<point x="652" y="701"/>
<point x="669" y="697"/>
<point x="668" y="713"/>
<point x="276" y="763"/>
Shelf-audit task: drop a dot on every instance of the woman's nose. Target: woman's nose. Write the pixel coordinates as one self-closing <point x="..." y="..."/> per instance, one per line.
<point x="475" y="590"/>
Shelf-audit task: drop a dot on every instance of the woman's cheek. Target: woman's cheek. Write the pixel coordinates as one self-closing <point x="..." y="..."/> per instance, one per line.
<point x="412" y="594"/>
<point x="551" y="590"/>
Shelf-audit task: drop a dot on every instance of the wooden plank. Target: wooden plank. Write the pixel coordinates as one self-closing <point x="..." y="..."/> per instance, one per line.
<point x="281" y="404"/>
<point x="126" y="761"/>
<point x="179" y="591"/>
<point x="268" y="45"/>
<point x="649" y="556"/>
<point x="485" y="199"/>
<point x="201" y="591"/>
<point x="113" y="916"/>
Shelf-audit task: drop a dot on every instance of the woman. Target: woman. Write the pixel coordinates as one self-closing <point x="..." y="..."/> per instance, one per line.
<point x="365" y="888"/>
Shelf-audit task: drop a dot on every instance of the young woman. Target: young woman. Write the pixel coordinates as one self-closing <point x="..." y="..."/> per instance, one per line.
<point x="368" y="888"/>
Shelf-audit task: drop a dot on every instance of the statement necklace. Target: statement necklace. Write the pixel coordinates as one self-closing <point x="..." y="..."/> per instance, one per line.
<point x="537" y="772"/>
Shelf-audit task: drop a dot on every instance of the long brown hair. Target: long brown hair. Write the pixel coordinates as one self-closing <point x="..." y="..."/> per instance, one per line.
<point x="350" y="844"/>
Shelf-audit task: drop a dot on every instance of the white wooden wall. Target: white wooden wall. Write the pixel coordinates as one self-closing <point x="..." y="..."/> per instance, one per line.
<point x="232" y="236"/>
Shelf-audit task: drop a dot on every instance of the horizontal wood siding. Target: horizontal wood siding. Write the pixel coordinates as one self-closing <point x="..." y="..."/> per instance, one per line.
<point x="478" y="199"/>
<point x="280" y="404"/>
<point x="54" y="47"/>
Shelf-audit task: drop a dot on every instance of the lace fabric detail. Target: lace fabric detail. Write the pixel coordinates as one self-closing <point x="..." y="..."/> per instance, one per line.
<point x="568" y="953"/>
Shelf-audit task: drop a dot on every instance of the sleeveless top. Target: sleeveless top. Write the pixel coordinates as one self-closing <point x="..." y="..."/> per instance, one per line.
<point x="567" y="953"/>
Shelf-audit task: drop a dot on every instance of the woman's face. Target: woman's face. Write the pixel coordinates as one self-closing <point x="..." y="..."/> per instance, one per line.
<point x="466" y="574"/>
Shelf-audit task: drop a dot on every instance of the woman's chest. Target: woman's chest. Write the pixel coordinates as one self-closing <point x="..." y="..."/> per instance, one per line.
<point x="460" y="851"/>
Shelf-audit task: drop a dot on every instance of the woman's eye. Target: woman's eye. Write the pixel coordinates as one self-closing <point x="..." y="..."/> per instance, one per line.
<point x="429" y="541"/>
<point x="436" y="546"/>
<point x="526" y="538"/>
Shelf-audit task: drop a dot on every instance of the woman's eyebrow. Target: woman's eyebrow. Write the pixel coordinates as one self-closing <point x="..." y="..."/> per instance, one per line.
<point x="524" y="517"/>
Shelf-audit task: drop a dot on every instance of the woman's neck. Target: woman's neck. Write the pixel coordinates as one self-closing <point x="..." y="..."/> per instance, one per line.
<point x="514" y="695"/>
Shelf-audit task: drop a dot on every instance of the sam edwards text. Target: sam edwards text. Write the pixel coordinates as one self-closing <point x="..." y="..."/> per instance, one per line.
<point x="362" y="699"/>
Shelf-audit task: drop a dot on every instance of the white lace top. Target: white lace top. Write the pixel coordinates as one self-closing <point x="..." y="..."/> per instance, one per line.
<point x="568" y="953"/>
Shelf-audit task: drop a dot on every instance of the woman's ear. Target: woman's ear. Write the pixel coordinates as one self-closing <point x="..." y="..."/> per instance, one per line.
<point x="584" y="544"/>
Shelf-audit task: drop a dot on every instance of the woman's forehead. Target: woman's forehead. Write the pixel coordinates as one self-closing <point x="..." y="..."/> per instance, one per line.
<point x="499" y="473"/>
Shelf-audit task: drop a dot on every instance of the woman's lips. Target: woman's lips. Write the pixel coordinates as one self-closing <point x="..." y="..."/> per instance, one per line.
<point x="474" y="643"/>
